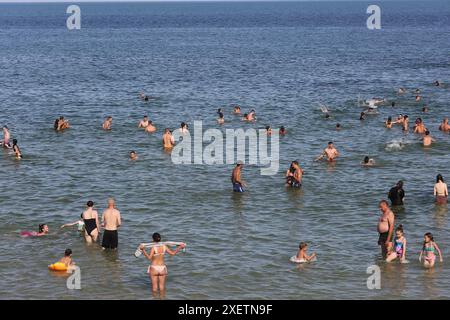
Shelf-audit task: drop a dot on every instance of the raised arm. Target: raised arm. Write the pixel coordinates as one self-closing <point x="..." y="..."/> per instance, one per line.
<point x="174" y="252"/>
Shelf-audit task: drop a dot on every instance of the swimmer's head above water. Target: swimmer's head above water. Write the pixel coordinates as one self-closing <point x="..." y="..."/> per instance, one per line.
<point x="156" y="237"/>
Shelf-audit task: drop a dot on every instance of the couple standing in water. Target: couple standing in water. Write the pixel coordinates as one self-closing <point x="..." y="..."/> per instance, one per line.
<point x="111" y="221"/>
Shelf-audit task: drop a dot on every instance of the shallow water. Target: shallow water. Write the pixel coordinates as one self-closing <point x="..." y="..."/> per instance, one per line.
<point x="283" y="59"/>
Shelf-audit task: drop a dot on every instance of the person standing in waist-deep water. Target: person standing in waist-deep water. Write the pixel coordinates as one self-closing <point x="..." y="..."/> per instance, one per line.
<point x="238" y="184"/>
<point x="111" y="221"/>
<point x="6" y="137"/>
<point x="294" y="175"/>
<point x="440" y="190"/>
<point x="385" y="227"/>
<point x="107" y="123"/>
<point x="91" y="224"/>
<point x="397" y="194"/>
<point x="16" y="149"/>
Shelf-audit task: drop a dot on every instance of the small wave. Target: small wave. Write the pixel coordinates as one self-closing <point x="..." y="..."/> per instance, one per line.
<point x="396" y="145"/>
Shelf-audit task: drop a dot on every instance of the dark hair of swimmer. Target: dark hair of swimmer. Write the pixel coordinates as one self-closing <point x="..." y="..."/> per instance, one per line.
<point x="90" y="204"/>
<point x="220" y="115"/>
<point x="439" y="178"/>
<point x="427" y="133"/>
<point x="327" y="115"/>
<point x="338" y="125"/>
<point x="330" y="143"/>
<point x="55" y="126"/>
<point x="183" y="124"/>
<point x="156" y="237"/>
<point x="5" y="127"/>
<point x="400" y="184"/>
<point x="399" y="228"/>
<point x="385" y="202"/>
<point x="146" y="98"/>
<point x="282" y="128"/>
<point x="429" y="235"/>
<point x="145" y="116"/>
<point x="405" y="116"/>
<point x="267" y="127"/>
<point x="41" y="227"/>
<point x="393" y="104"/>
<point x="245" y="115"/>
<point x="68" y="252"/>
<point x="366" y="159"/>
<point x="302" y="245"/>
<point x="150" y="121"/>
<point x="132" y="152"/>
<point x="389" y="119"/>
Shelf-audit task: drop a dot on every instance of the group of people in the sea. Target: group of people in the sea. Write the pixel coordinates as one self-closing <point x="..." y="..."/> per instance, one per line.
<point x="391" y="240"/>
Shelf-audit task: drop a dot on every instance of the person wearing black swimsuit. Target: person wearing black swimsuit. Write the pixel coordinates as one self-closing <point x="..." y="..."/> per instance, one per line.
<point x="91" y="224"/>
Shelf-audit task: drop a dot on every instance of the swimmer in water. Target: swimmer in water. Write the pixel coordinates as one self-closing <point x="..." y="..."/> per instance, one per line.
<point x="302" y="254"/>
<point x="440" y="190"/>
<point x="427" y="140"/>
<point x="221" y="119"/>
<point x="79" y="223"/>
<point x="425" y="109"/>
<point x="16" y="150"/>
<point x="107" y="123"/>
<point x="43" y="230"/>
<point x="184" y="128"/>
<point x="143" y="123"/>
<point x="237" y="110"/>
<point x="398" y="249"/>
<point x="150" y="128"/>
<point x="143" y="97"/>
<point x="367" y="162"/>
<point x="437" y="83"/>
<point x="282" y="131"/>
<point x="158" y="270"/>
<point x="238" y="184"/>
<point x="429" y="250"/>
<point x="67" y="259"/>
<point x="268" y="130"/>
<point x="338" y="127"/>
<point x="361" y="116"/>
<point x="167" y="139"/>
<point x="252" y="115"/>
<point x="445" y="127"/>
<point x="419" y="126"/>
<point x="330" y="152"/>
<point x="294" y="175"/>
<point x="388" y="123"/>
<point x="418" y="98"/>
<point x="405" y="123"/>
<point x="401" y="91"/>
<point x="91" y="223"/>
<point x="245" y="117"/>
<point x="133" y="155"/>
<point x="6" y="137"/>
<point x="393" y="104"/>
<point x="61" y="124"/>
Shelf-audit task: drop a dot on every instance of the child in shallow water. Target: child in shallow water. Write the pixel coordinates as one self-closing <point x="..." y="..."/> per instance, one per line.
<point x="398" y="250"/>
<point x="43" y="230"/>
<point x="429" y="250"/>
<point x="302" y="254"/>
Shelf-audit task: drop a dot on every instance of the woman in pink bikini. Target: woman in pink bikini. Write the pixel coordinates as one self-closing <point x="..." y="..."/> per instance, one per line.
<point x="158" y="270"/>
